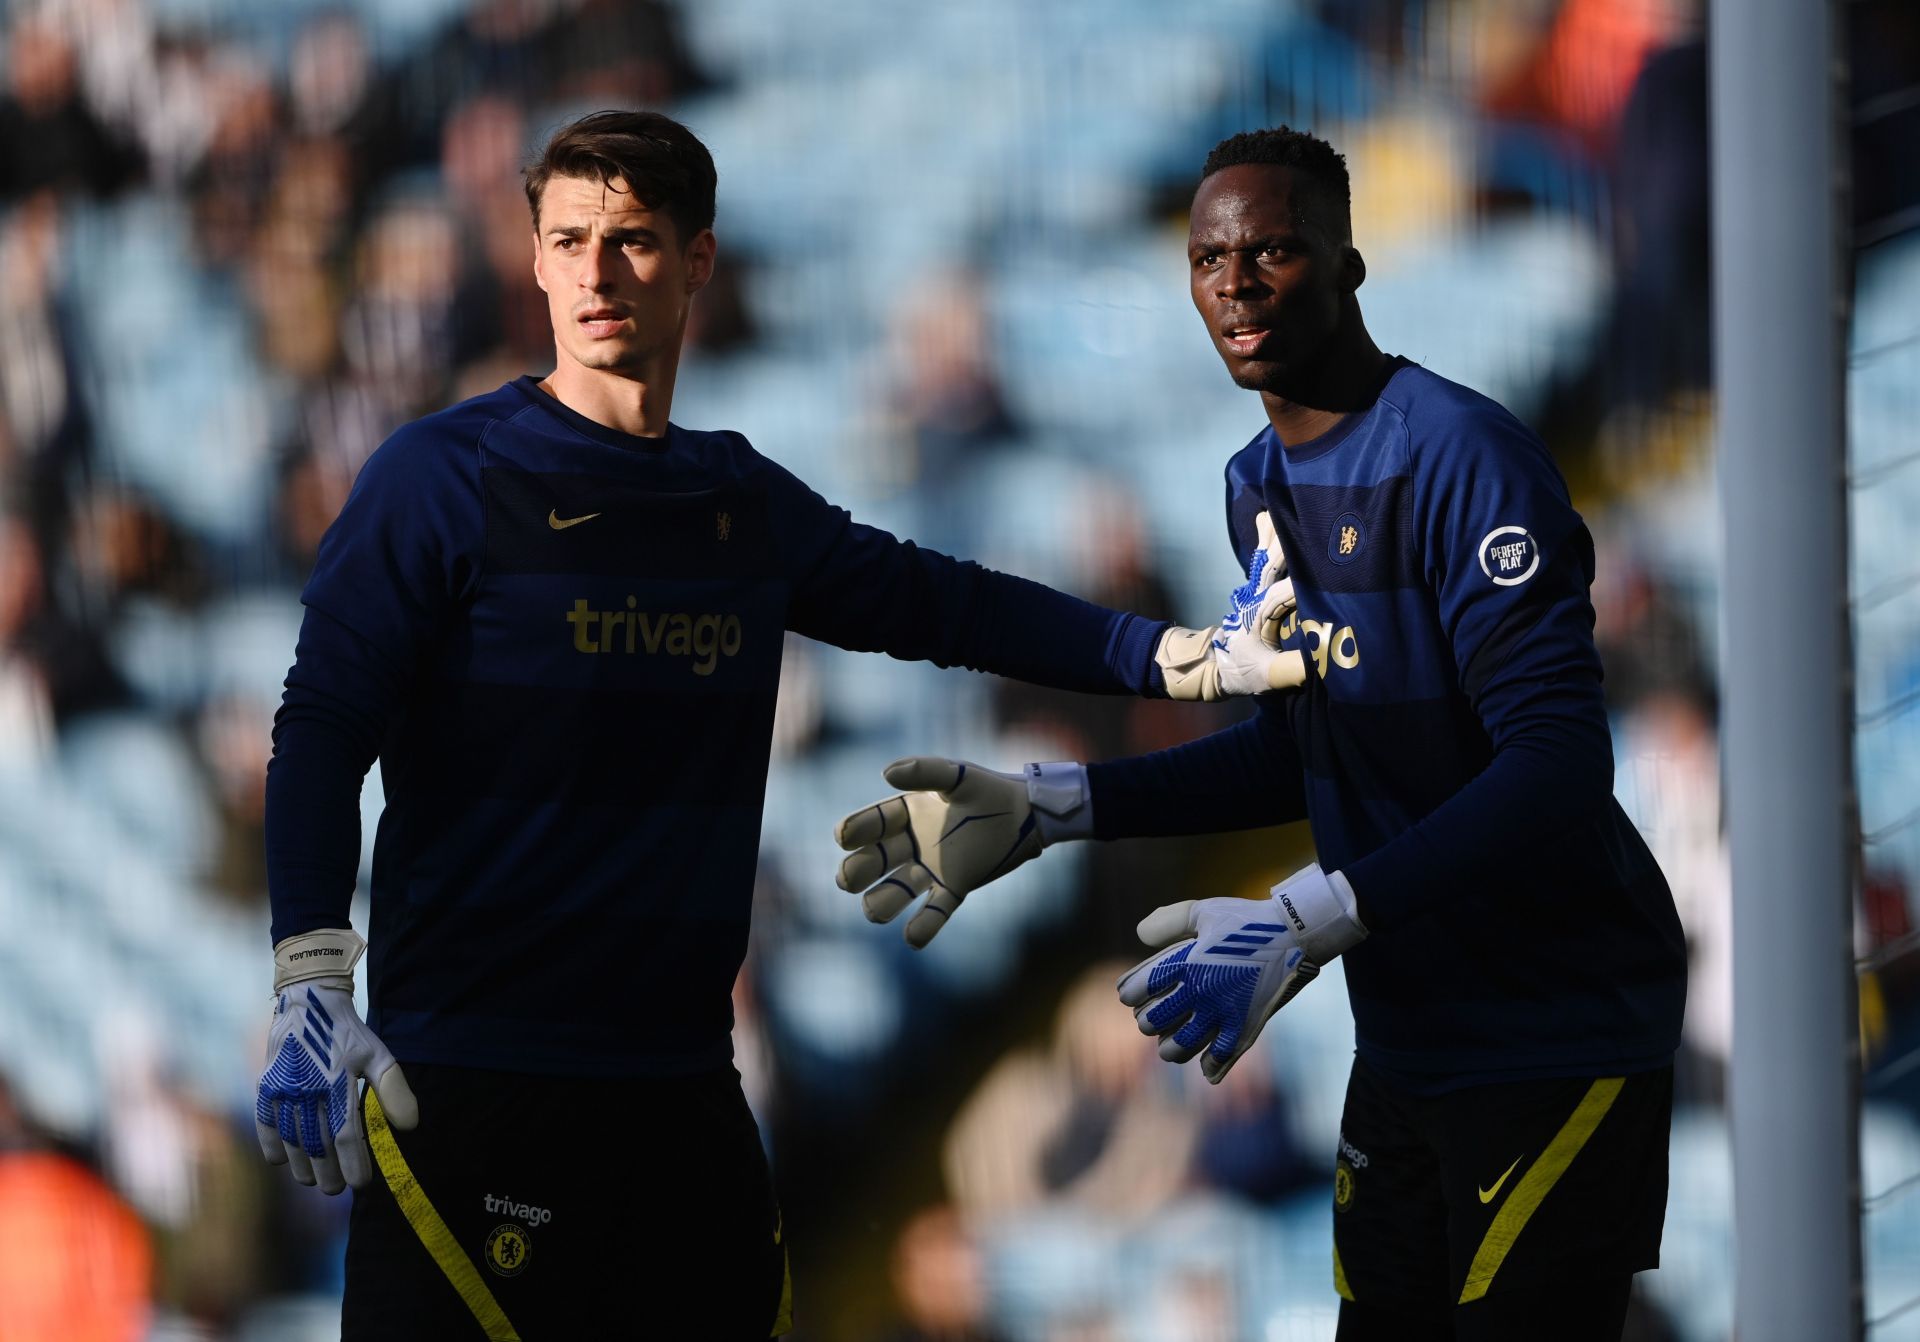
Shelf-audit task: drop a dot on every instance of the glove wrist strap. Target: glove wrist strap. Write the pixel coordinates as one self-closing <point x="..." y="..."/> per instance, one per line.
<point x="1321" y="910"/>
<point x="1185" y="658"/>
<point x="325" y="956"/>
<point x="1062" y="804"/>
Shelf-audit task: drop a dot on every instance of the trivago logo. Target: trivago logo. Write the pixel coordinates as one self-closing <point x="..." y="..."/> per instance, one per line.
<point x="705" y="638"/>
<point x="533" y="1216"/>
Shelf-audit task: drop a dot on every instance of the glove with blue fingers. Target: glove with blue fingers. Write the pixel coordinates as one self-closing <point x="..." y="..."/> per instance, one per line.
<point x="307" y="1108"/>
<point x="955" y="827"/>
<point x="1240" y="655"/>
<point x="1237" y="962"/>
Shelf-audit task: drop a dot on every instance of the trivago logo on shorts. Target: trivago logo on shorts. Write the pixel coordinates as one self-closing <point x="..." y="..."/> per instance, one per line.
<point x="533" y="1216"/>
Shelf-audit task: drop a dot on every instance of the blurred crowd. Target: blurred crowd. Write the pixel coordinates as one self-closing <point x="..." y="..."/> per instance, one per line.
<point x="239" y="244"/>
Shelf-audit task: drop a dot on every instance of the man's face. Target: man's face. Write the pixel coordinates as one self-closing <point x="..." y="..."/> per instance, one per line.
<point x="1268" y="274"/>
<point x="617" y="277"/>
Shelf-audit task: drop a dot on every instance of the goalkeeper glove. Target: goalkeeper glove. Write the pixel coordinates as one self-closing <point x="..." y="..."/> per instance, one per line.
<point x="307" y="1109"/>
<point x="1240" y="654"/>
<point x="1240" y="961"/>
<point x="955" y="827"/>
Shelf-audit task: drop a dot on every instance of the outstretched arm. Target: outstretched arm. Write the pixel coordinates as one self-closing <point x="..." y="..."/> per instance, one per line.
<point x="863" y="589"/>
<point x="956" y="826"/>
<point x="1246" y="776"/>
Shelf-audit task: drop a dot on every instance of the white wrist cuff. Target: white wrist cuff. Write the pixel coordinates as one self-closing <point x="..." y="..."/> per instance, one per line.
<point x="325" y="955"/>
<point x="1187" y="667"/>
<point x="1062" y="805"/>
<point x="1322" y="912"/>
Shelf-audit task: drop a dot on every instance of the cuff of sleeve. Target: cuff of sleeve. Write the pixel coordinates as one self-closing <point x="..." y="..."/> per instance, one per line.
<point x="1062" y="803"/>
<point x="1134" y="661"/>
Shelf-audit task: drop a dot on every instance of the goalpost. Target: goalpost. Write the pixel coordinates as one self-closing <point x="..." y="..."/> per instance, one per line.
<point x="1780" y="307"/>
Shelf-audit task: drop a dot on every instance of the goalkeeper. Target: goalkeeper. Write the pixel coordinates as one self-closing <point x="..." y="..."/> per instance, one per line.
<point x="1515" y="965"/>
<point x="557" y="618"/>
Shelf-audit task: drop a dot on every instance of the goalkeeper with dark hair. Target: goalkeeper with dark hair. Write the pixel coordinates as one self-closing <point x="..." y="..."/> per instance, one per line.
<point x="556" y="618"/>
<point x="1515" y="964"/>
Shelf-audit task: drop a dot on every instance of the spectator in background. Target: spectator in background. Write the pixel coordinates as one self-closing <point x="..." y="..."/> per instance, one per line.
<point x="1087" y="1125"/>
<point x="1669" y="782"/>
<point x="1647" y="639"/>
<point x="1196" y="1303"/>
<point x="44" y="437"/>
<point x="400" y="331"/>
<point x="51" y="668"/>
<point x="938" y="1282"/>
<point x="293" y="258"/>
<point x="123" y="546"/>
<point x="340" y="425"/>
<point x="497" y="47"/>
<point x="181" y="1166"/>
<point x="617" y="52"/>
<point x="1657" y="342"/>
<point x="329" y="74"/>
<point x="75" y="1264"/>
<point x="946" y="402"/>
<point x="482" y="146"/>
<point x="1247" y="1147"/>
<point x="1578" y="73"/>
<point x="49" y="136"/>
<point x="232" y="733"/>
<point x="26" y="703"/>
<point x="230" y="184"/>
<point x="1110" y="559"/>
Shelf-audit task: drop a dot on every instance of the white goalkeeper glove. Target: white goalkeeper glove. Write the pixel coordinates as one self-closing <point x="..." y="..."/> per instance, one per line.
<point x="955" y="827"/>
<point x="1240" y="961"/>
<point x="307" y="1109"/>
<point x="1240" y="655"/>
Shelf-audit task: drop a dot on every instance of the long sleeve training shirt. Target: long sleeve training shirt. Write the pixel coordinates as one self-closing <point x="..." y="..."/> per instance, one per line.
<point x="1450" y="749"/>
<point x="563" y="644"/>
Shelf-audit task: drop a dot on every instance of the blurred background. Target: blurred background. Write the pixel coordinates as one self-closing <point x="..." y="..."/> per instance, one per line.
<point x="240" y="243"/>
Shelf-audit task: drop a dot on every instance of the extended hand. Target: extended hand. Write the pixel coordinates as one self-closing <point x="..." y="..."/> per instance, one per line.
<point x="307" y="1107"/>
<point x="1237" y="962"/>
<point x="1240" y="655"/>
<point x="954" y="827"/>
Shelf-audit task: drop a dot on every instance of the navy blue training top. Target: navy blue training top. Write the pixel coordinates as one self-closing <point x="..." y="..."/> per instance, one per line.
<point x="1450" y="748"/>
<point x="563" y="644"/>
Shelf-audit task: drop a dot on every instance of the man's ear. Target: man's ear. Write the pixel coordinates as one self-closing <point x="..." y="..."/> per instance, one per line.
<point x="1353" y="268"/>
<point x="701" y="253"/>
<point x="538" y="278"/>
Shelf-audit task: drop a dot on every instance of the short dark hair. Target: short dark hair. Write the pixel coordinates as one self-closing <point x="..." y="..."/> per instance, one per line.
<point x="663" y="164"/>
<point x="1284" y="147"/>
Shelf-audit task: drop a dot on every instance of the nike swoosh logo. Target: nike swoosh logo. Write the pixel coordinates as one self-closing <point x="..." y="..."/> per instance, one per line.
<point x="1489" y="1194"/>
<point x="559" y="523"/>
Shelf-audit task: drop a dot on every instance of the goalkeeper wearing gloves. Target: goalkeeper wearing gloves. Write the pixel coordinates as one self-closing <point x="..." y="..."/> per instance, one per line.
<point x="556" y="619"/>
<point x="1514" y="962"/>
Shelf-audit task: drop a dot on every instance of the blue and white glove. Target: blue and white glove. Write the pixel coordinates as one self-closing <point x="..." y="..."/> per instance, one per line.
<point x="955" y="828"/>
<point x="1237" y="962"/>
<point x="307" y="1109"/>
<point x="1240" y="655"/>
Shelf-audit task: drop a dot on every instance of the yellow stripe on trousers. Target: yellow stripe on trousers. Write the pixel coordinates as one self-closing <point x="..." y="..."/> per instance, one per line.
<point x="783" y="1317"/>
<point x="433" y="1232"/>
<point x="1537" y="1182"/>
